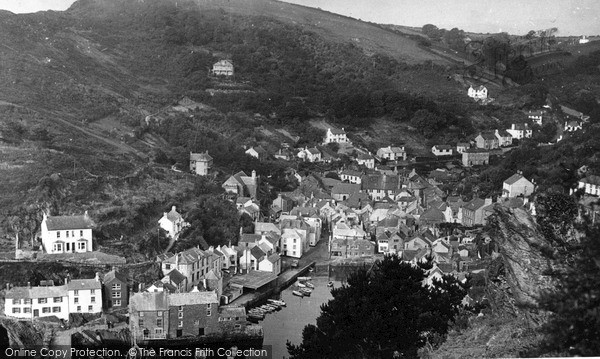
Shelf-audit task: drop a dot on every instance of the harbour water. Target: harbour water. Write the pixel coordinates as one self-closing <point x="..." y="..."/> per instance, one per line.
<point x="288" y="323"/>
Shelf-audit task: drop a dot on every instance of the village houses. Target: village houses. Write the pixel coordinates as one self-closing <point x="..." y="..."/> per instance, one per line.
<point x="520" y="130"/>
<point x="310" y="154"/>
<point x="517" y="185"/>
<point x="590" y="185"/>
<point x="475" y="157"/>
<point x="257" y="152"/>
<point x="116" y="291"/>
<point x="392" y="153"/>
<point x="487" y="141"/>
<point x="504" y="138"/>
<point x="442" y="150"/>
<point x="366" y="159"/>
<point x="334" y="135"/>
<point x="172" y="222"/>
<point x="477" y="93"/>
<point x="223" y="67"/>
<point x="242" y="185"/>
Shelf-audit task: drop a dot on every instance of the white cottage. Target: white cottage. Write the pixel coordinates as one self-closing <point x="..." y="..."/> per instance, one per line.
<point x="67" y="234"/>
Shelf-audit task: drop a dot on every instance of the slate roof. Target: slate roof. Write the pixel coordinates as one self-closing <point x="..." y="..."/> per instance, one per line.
<point x="313" y="151"/>
<point x="337" y="131"/>
<point x="345" y="188"/>
<point x="353" y="173"/>
<point x="249" y="238"/>
<point x="488" y="136"/>
<point x="149" y="301"/>
<point x="443" y="147"/>
<point x="514" y="178"/>
<point x="84" y="284"/>
<point x="112" y="275"/>
<point x="192" y="298"/>
<point x="591" y="179"/>
<point x="202" y="157"/>
<point x="257" y="252"/>
<point x="266" y="227"/>
<point x="36" y="292"/>
<point x="176" y="277"/>
<point x="474" y="204"/>
<point x="273" y="258"/>
<point x="189" y="256"/>
<point x="365" y="157"/>
<point x="380" y="182"/>
<point x="433" y="215"/>
<point x="58" y="223"/>
<point x="173" y="215"/>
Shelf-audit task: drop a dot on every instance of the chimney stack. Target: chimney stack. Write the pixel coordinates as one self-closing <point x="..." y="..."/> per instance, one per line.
<point x="140" y="287"/>
<point x="97" y="277"/>
<point x="85" y="214"/>
<point x="28" y="284"/>
<point x="173" y="209"/>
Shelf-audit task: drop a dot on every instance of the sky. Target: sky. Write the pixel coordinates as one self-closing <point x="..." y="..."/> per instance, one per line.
<point x="571" y="17"/>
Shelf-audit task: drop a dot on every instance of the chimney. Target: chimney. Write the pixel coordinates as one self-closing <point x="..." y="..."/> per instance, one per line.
<point x="85" y="214"/>
<point x="253" y="174"/>
<point x="28" y="284"/>
<point x="173" y="209"/>
<point x="97" y="278"/>
<point x="140" y="286"/>
<point x="7" y="286"/>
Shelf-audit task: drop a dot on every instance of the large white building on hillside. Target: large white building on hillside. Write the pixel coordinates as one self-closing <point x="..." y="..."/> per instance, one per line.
<point x="67" y="234"/>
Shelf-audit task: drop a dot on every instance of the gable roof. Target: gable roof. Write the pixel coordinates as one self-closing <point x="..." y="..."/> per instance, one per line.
<point x="345" y="188"/>
<point x="202" y="157"/>
<point x="173" y="215"/>
<point x="336" y="131"/>
<point x="191" y="255"/>
<point x="84" y="284"/>
<point x="57" y="223"/>
<point x="176" y="277"/>
<point x="112" y="275"/>
<point x="474" y="204"/>
<point x="443" y="147"/>
<point x="266" y="227"/>
<point x="514" y="178"/>
<point x="192" y="298"/>
<point x="36" y="292"/>
<point x="257" y="252"/>
<point x="488" y="136"/>
<point x="591" y="179"/>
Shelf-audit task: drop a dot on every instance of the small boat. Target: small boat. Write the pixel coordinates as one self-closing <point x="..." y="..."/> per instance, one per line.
<point x="297" y="293"/>
<point x="267" y="308"/>
<point x="304" y="278"/>
<point x="305" y="291"/>
<point x="330" y="284"/>
<point x="309" y="285"/>
<point x="255" y="316"/>
<point x="280" y="303"/>
<point x="311" y="269"/>
<point x="301" y="285"/>
<point x="256" y="311"/>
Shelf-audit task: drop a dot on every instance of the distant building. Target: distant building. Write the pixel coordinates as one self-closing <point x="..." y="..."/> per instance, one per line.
<point x="335" y="135"/>
<point x="504" y="138"/>
<point x="477" y="93"/>
<point x="116" y="292"/>
<point x="442" y="150"/>
<point x="85" y="295"/>
<point x="536" y="116"/>
<point x="311" y="154"/>
<point x="462" y="147"/>
<point x="584" y="40"/>
<point x="67" y="234"/>
<point x="223" y="67"/>
<point x="172" y="222"/>
<point x="242" y="184"/>
<point x="574" y="114"/>
<point x="257" y="152"/>
<point x="487" y="141"/>
<point x="520" y="130"/>
<point x="200" y="163"/>
<point x="590" y="185"/>
<point x="475" y="157"/>
<point x="517" y="185"/>
<point x="472" y="211"/>
<point x="392" y="153"/>
<point x="35" y="302"/>
<point x="573" y="125"/>
<point x="365" y="159"/>
<point x="351" y="176"/>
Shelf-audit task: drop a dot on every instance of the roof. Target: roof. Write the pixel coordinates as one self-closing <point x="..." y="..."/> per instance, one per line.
<point x="223" y="62"/>
<point x="266" y="227"/>
<point x="313" y="151"/>
<point x="474" y="204"/>
<point x="380" y="182"/>
<point x="365" y="157"/>
<point x="433" y="215"/>
<point x="173" y="215"/>
<point x="591" y="179"/>
<point x="232" y="312"/>
<point x="83" y="284"/>
<point x="503" y="133"/>
<point x="192" y="298"/>
<point x="336" y="131"/>
<point x="488" y="136"/>
<point x="36" y="292"/>
<point x="476" y="150"/>
<point x="57" y="223"/>
<point x="202" y="157"/>
<point x="273" y="258"/>
<point x="249" y="238"/>
<point x="443" y="147"/>
<point x="570" y="112"/>
<point x="254" y="279"/>
<point x="149" y="301"/>
<point x="514" y="178"/>
<point x="191" y="255"/>
<point x="345" y="188"/>
<point x="353" y="173"/>
<point x="176" y="277"/>
<point x="112" y="275"/>
<point x="257" y="252"/>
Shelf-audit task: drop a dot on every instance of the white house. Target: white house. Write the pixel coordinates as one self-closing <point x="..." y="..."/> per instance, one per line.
<point x="270" y="263"/>
<point x="200" y="163"/>
<point x="520" y="131"/>
<point x="479" y="92"/>
<point x="67" y="234"/>
<point x="365" y="159"/>
<point x="504" y="138"/>
<point x="392" y="153"/>
<point x="584" y="40"/>
<point x="292" y="243"/>
<point x="351" y="176"/>
<point x="572" y="126"/>
<point x="442" y="150"/>
<point x="335" y="135"/>
<point x="34" y="302"/>
<point x="310" y="154"/>
<point x="536" y="116"/>
<point x="590" y="185"/>
<point x="85" y="295"/>
<point x="517" y="185"/>
<point x="223" y="67"/>
<point x="172" y="222"/>
<point x="462" y="147"/>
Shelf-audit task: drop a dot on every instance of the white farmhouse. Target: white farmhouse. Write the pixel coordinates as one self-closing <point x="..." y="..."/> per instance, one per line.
<point x="172" y="222"/>
<point x="85" y="295"/>
<point x="479" y="92"/>
<point x="335" y="135"/>
<point x="67" y="234"/>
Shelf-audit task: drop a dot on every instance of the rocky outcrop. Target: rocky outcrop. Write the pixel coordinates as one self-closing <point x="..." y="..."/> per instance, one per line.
<point x="522" y="248"/>
<point x="23" y="334"/>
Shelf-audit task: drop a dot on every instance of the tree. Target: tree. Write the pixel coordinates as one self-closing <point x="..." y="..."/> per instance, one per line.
<point x="556" y="214"/>
<point x="381" y="311"/>
<point x="427" y="123"/>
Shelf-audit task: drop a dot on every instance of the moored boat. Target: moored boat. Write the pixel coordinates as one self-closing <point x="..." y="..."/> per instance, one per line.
<point x="309" y="285"/>
<point x="330" y="284"/>
<point x="301" y="285"/>
<point x="297" y="293"/>
<point x="304" y="278"/>
<point x="280" y="303"/>
<point x="305" y="291"/>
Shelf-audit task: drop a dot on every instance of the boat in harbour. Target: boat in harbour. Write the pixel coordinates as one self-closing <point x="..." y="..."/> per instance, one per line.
<point x="301" y="285"/>
<point x="304" y="278"/>
<point x="330" y="284"/>
<point x="280" y="303"/>
<point x="305" y="291"/>
<point x="309" y="285"/>
<point x="297" y="293"/>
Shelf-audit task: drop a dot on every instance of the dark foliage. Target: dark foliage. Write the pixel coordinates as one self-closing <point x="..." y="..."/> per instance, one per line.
<point x="380" y="312"/>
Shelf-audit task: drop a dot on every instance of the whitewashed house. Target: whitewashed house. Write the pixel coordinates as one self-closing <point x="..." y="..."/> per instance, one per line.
<point x="335" y="135"/>
<point x="67" y="234"/>
<point x="223" y="67"/>
<point x="517" y="185"/>
<point x="172" y="222"/>
<point x="477" y="93"/>
<point x="85" y="295"/>
<point x="35" y="302"/>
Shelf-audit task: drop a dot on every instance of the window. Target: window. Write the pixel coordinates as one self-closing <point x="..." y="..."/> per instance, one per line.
<point x="79" y="308"/>
<point x="117" y="303"/>
<point x="90" y="308"/>
<point x="67" y="233"/>
<point x="81" y="233"/>
<point x="58" y="234"/>
<point x="46" y="310"/>
<point x="180" y="324"/>
<point x="27" y="301"/>
<point x="116" y="295"/>
<point x="159" y="322"/>
<point x="16" y="301"/>
<point x="16" y="310"/>
<point x="181" y="308"/>
<point x="75" y="300"/>
<point x="57" y="299"/>
<point x="208" y="313"/>
<point x="180" y="315"/>
<point x="42" y="300"/>
<point x="76" y="292"/>
<point x="159" y="314"/>
<point x="208" y="306"/>
<point x="141" y="322"/>
<point x="158" y="331"/>
<point x="92" y="291"/>
<point x="26" y="310"/>
<point x="141" y="314"/>
<point x="93" y="300"/>
<point x="55" y="309"/>
<point x="81" y="245"/>
<point x="167" y="266"/>
<point x="294" y="240"/>
<point x="116" y="286"/>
